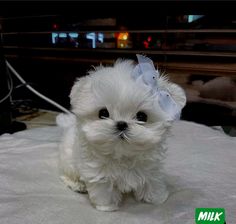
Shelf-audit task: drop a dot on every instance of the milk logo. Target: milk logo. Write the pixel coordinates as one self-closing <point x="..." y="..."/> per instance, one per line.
<point x="210" y="216"/>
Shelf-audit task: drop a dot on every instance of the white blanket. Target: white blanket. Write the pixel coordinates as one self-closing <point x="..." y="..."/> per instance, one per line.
<point x="200" y="168"/>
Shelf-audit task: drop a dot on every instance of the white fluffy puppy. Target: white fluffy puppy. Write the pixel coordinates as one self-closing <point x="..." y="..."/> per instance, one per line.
<point x="113" y="143"/>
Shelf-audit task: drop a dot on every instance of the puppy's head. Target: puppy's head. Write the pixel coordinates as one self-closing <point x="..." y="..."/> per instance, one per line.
<point x="115" y="113"/>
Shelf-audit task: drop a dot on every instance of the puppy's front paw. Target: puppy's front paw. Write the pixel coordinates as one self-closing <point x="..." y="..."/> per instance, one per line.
<point x="77" y="186"/>
<point x="103" y="197"/>
<point x="107" y="208"/>
<point x="158" y="196"/>
<point x="155" y="193"/>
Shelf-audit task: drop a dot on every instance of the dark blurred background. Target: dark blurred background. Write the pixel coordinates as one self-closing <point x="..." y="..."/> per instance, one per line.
<point x="50" y="44"/>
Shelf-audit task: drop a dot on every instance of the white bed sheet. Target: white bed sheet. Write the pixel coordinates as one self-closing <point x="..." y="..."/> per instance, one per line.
<point x="200" y="167"/>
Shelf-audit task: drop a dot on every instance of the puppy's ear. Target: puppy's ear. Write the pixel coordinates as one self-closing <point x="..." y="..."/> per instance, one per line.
<point x="76" y="89"/>
<point x="175" y="90"/>
<point x="80" y="95"/>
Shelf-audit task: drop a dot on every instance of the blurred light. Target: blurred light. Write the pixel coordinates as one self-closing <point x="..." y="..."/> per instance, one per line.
<point x="122" y="40"/>
<point x="63" y="35"/>
<point x="123" y="36"/>
<point x="92" y="36"/>
<point x="149" y="39"/>
<point x="101" y="37"/>
<point x="146" y="44"/>
<point x="192" y="18"/>
<point x="73" y="35"/>
<point x="54" y="36"/>
<point x="55" y="26"/>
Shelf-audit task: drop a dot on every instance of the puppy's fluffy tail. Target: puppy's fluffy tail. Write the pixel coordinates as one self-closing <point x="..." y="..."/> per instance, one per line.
<point x="66" y="120"/>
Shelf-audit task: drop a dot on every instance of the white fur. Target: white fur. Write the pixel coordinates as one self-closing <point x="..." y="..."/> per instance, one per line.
<point x="93" y="157"/>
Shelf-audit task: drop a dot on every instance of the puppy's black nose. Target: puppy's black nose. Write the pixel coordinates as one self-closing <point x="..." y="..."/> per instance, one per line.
<point x="121" y="125"/>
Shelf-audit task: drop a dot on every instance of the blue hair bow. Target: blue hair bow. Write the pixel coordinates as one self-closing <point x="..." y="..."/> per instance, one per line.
<point x="145" y="74"/>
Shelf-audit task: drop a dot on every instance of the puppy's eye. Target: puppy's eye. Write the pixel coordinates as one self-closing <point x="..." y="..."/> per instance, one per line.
<point x="103" y="113"/>
<point x="141" y="116"/>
